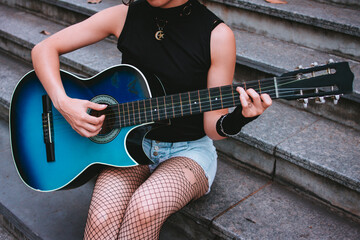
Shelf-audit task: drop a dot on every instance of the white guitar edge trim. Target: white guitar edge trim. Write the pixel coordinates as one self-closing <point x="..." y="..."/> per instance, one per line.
<point x="83" y="79"/>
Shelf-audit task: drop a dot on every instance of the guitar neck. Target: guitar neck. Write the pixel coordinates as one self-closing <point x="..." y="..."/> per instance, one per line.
<point x="182" y="104"/>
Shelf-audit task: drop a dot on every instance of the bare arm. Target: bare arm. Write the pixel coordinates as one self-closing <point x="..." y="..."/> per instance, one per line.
<point x="221" y="72"/>
<point x="45" y="57"/>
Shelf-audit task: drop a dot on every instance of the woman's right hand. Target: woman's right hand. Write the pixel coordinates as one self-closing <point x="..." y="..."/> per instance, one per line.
<point x="75" y="113"/>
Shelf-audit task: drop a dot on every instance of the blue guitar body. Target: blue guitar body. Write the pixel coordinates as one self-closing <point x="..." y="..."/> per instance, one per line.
<point x="49" y="155"/>
<point x="68" y="159"/>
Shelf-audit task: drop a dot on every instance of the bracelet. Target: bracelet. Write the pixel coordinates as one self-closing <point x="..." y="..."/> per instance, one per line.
<point x="220" y="128"/>
<point x="233" y="123"/>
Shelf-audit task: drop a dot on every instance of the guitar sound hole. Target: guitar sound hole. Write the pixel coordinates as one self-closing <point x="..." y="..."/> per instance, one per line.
<point x="107" y="126"/>
<point x="108" y="132"/>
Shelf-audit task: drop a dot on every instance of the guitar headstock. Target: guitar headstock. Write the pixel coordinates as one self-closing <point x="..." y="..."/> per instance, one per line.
<point x="317" y="82"/>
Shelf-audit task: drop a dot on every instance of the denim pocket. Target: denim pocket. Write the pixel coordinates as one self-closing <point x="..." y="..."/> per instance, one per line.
<point x="179" y="147"/>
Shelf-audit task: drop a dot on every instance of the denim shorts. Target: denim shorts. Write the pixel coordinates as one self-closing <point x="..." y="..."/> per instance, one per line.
<point x="201" y="151"/>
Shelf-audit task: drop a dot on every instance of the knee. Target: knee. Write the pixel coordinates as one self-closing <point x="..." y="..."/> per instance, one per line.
<point x="99" y="217"/>
<point x="146" y="210"/>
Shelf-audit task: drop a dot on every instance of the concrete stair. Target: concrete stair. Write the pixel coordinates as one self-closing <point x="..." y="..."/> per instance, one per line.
<point x="303" y="163"/>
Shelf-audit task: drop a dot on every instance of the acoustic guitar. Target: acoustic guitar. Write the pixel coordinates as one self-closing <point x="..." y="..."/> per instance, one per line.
<point x="49" y="155"/>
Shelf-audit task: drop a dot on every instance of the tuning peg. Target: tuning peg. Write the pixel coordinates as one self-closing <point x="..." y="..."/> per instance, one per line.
<point x="314" y="64"/>
<point x="330" y="61"/>
<point x="299" y="67"/>
<point x="336" y="99"/>
<point x="304" y="101"/>
<point x="320" y="100"/>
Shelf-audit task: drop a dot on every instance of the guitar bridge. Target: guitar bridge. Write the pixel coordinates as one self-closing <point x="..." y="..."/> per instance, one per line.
<point x="47" y="121"/>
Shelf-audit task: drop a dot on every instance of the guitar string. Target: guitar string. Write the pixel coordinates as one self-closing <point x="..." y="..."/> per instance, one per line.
<point x="226" y="99"/>
<point x="263" y="82"/>
<point x="64" y="123"/>
<point x="264" y="85"/>
<point x="65" y="127"/>
<point x="137" y="118"/>
<point x="136" y="112"/>
<point x="187" y="103"/>
<point x="135" y="115"/>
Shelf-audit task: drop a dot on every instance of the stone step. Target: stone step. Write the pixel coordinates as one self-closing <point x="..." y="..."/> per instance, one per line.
<point x="23" y="31"/>
<point x="317" y="25"/>
<point x="66" y="12"/>
<point x="80" y="62"/>
<point x="320" y="13"/>
<point x="339" y="3"/>
<point x="253" y="57"/>
<point x="317" y="155"/>
<point x="266" y="55"/>
<point x="272" y="151"/>
<point x="241" y="205"/>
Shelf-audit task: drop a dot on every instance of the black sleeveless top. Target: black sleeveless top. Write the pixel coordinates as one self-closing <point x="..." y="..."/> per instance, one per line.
<point x="181" y="60"/>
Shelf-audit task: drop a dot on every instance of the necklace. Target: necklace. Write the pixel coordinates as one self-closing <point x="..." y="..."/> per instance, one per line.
<point x="161" y="23"/>
<point x="181" y="11"/>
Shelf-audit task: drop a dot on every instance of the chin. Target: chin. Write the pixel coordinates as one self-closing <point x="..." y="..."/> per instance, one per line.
<point x="166" y="3"/>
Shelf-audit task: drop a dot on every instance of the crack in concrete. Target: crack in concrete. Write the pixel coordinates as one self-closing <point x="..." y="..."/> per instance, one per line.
<point x="234" y="205"/>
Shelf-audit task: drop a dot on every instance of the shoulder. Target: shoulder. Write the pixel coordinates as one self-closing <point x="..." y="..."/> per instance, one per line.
<point x="222" y="36"/>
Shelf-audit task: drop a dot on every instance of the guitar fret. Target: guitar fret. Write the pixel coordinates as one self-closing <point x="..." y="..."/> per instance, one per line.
<point x="190" y="103"/>
<point x="162" y="107"/>
<point x="144" y="110"/>
<point x="128" y="110"/>
<point x="228" y="99"/>
<point x="172" y="104"/>
<point x="259" y="86"/>
<point x="118" y="107"/>
<point x="165" y="107"/>
<point x="221" y="98"/>
<point x="177" y="105"/>
<point x="169" y="108"/>
<point x="148" y="107"/>
<point x="215" y="98"/>
<point x="205" y="100"/>
<point x="195" y="102"/>
<point x="154" y="108"/>
<point x="158" y="109"/>
<point x="138" y="104"/>
<point x="209" y="99"/>
<point x="123" y="114"/>
<point x="181" y="105"/>
<point x="198" y="92"/>
<point x="232" y="93"/>
<point x="133" y="110"/>
<point x="185" y="104"/>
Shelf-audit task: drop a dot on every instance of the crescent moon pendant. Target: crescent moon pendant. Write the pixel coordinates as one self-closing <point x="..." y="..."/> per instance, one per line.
<point x="159" y="35"/>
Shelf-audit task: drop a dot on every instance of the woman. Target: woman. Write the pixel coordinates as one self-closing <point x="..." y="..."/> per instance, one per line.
<point x="188" y="48"/>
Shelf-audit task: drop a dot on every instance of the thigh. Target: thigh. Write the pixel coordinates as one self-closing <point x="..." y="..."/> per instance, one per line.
<point x="113" y="190"/>
<point x="115" y="184"/>
<point x="183" y="174"/>
<point x="170" y="187"/>
<point x="175" y="182"/>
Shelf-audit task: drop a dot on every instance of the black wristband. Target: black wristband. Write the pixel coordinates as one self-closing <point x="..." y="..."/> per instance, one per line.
<point x="230" y="125"/>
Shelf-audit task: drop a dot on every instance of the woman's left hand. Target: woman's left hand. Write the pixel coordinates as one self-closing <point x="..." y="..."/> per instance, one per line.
<point x="252" y="103"/>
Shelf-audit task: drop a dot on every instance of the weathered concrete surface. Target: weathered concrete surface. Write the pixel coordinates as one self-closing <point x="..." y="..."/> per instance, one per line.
<point x="277" y="213"/>
<point x="323" y="15"/>
<point x="326" y="148"/>
<point x="11" y="71"/>
<point x="23" y="31"/>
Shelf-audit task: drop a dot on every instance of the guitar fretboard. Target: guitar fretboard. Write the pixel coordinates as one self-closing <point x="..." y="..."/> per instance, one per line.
<point x="177" y="105"/>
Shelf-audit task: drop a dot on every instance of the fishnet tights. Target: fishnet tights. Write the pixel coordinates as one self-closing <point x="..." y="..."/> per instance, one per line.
<point x="129" y="203"/>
